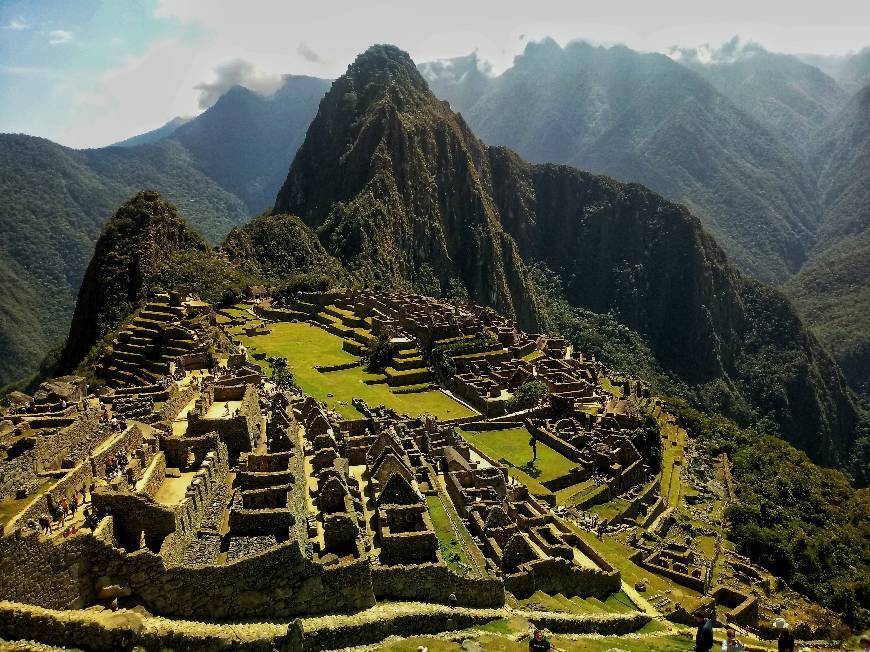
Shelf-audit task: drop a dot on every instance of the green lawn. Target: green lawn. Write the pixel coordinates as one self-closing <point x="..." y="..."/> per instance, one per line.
<point x="617" y="554"/>
<point x="610" y="509"/>
<point x="614" y="603"/>
<point x="512" y="444"/>
<point x="307" y="346"/>
<point x="449" y="540"/>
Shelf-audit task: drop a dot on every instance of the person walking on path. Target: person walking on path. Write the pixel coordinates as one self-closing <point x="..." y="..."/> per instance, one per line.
<point x="785" y="638"/>
<point x="731" y="644"/>
<point x="704" y="634"/>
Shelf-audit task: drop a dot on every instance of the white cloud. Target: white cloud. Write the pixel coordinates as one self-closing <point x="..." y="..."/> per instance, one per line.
<point x="237" y="73"/>
<point x="17" y="25"/>
<point x="59" y="37"/>
<point x="182" y="74"/>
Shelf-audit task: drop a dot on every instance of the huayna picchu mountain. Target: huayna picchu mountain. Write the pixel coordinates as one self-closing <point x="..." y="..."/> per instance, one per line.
<point x="404" y="195"/>
<point x="397" y="188"/>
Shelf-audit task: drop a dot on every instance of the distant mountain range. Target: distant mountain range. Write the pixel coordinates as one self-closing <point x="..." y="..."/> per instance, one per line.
<point x="744" y="144"/>
<point x="766" y="149"/>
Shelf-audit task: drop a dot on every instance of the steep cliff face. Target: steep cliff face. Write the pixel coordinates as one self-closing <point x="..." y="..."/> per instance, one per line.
<point x="140" y="240"/>
<point x="623" y="250"/>
<point x="392" y="181"/>
<point x="400" y="191"/>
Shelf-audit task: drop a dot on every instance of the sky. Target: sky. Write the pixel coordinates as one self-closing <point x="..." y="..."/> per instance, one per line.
<point x="87" y="73"/>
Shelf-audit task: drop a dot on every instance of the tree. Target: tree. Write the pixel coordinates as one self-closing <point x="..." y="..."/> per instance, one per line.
<point x="380" y="351"/>
<point x="528" y="395"/>
<point x="281" y="374"/>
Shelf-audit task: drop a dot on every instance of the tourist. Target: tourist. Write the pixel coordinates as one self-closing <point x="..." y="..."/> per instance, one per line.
<point x="784" y="639"/>
<point x="865" y="643"/>
<point x="59" y="515"/>
<point x="74" y="504"/>
<point x="538" y="643"/>
<point x="452" y="600"/>
<point x="704" y="634"/>
<point x="64" y="504"/>
<point x="731" y="644"/>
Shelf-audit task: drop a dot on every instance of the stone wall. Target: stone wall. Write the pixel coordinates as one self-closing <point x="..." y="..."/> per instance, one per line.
<point x="154" y="475"/>
<point x="424" y="619"/>
<point x="556" y="575"/>
<point x="177" y="450"/>
<point x="603" y="624"/>
<point x="179" y="397"/>
<point x="67" y="446"/>
<point x="126" y="629"/>
<point x="238" y="433"/>
<point x="434" y="583"/>
<point x="278" y="583"/>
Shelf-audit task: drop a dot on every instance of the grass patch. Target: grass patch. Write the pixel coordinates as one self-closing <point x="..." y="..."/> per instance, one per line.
<point x="9" y="509"/>
<point x="306" y="346"/>
<point x="617" y="554"/>
<point x="512" y="445"/>
<point x="610" y="509"/>
<point x="498" y="642"/>
<point x="449" y="540"/>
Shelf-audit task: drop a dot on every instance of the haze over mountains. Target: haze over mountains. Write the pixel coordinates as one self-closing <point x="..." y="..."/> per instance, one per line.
<point x="765" y="149"/>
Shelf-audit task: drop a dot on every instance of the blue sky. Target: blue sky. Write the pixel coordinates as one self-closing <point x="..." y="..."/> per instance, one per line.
<point x="86" y="73"/>
<point x="52" y="53"/>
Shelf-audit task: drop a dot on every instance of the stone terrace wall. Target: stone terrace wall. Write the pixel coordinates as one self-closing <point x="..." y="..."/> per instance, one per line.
<point x="179" y="397"/>
<point x="434" y="583"/>
<point x="78" y="477"/>
<point x="555" y="575"/>
<point x="154" y="475"/>
<point x="238" y="433"/>
<point x="74" y="440"/>
<point x="123" y="630"/>
<point x="278" y="583"/>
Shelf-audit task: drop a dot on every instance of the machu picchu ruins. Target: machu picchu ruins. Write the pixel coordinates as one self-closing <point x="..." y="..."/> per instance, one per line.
<point x="194" y="482"/>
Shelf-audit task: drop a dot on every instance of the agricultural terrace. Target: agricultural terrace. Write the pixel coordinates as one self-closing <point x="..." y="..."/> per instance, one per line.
<point x="306" y="347"/>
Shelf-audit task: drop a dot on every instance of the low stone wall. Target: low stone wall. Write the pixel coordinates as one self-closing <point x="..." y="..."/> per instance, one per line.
<point x="603" y="624"/>
<point x="493" y="425"/>
<point x="556" y="575"/>
<point x="556" y="443"/>
<point x="179" y="397"/>
<point x="125" y="629"/>
<point x="279" y="314"/>
<point x="154" y="475"/>
<point x="434" y="583"/>
<point x="339" y="633"/>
